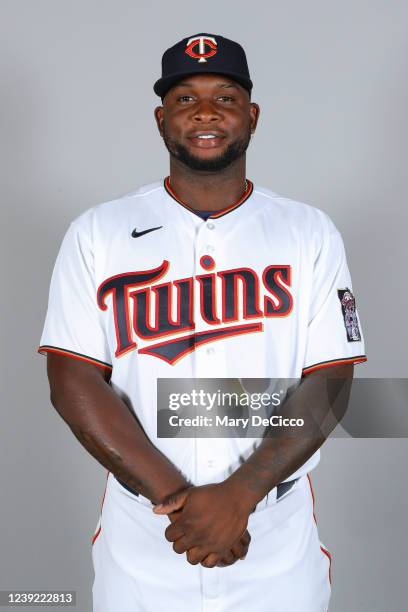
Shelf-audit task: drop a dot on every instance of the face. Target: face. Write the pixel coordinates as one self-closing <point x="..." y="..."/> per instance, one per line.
<point x="206" y="121"/>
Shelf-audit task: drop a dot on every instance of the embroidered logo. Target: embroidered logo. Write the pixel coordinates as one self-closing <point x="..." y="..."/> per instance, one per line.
<point x="136" y="234"/>
<point x="202" y="42"/>
<point x="348" y="308"/>
<point x="162" y="314"/>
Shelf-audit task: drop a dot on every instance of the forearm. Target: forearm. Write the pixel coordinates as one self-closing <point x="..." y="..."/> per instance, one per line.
<point x="321" y="405"/>
<point x="109" y="431"/>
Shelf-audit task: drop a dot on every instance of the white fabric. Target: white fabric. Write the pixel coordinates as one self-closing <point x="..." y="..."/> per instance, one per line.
<point x="326" y="334"/>
<point x="136" y="569"/>
<point x="74" y="322"/>
<point x="265" y="230"/>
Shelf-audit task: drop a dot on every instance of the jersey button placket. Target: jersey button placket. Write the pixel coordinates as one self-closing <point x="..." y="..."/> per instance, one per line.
<point x="198" y="360"/>
<point x="205" y="354"/>
<point x="210" y="357"/>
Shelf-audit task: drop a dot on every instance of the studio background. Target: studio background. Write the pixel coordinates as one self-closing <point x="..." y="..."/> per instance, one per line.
<point x="77" y="128"/>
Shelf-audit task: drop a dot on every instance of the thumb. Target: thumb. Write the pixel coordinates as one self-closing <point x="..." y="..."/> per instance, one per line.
<point x="171" y="503"/>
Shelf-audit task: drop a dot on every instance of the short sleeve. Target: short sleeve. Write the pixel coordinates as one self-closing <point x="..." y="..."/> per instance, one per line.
<point x="73" y="324"/>
<point x="334" y="333"/>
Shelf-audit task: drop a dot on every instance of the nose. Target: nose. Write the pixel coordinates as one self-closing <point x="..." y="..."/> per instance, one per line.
<point x="205" y="111"/>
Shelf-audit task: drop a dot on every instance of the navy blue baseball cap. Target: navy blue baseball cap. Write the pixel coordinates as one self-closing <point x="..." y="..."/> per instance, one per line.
<point x="203" y="53"/>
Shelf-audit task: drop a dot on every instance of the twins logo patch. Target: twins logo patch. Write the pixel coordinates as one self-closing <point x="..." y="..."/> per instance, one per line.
<point x="202" y="42"/>
<point x="348" y="308"/>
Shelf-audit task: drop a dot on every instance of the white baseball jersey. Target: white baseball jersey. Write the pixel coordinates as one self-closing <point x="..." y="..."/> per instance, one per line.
<point x="147" y="288"/>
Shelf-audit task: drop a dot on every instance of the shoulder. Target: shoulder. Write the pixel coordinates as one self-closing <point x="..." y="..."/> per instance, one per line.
<point x="303" y="217"/>
<point x="111" y="213"/>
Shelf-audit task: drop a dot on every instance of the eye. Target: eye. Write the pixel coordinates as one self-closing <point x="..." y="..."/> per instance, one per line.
<point x="229" y="98"/>
<point x="181" y="98"/>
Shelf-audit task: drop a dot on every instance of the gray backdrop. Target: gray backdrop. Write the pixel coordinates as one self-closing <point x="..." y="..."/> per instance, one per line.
<point x="77" y="128"/>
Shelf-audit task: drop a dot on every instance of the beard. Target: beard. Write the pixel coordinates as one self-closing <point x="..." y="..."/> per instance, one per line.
<point x="234" y="151"/>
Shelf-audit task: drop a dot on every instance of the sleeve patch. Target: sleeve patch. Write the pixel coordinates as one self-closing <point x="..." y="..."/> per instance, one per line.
<point x="348" y="309"/>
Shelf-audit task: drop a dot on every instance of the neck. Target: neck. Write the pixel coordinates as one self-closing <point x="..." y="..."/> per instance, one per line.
<point x="208" y="190"/>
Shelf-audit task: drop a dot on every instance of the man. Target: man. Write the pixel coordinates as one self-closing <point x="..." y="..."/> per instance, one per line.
<point x="202" y="276"/>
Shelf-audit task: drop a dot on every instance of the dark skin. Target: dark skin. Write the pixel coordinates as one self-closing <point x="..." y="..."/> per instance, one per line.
<point x="209" y="523"/>
<point x="205" y="517"/>
<point x="207" y="102"/>
<point x="213" y="515"/>
<point x="109" y="431"/>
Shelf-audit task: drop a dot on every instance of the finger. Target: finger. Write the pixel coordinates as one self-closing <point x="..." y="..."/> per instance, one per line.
<point x="244" y="541"/>
<point x="171" y="503"/>
<point x="174" y="532"/>
<point x="239" y="550"/>
<point x="228" y="558"/>
<point x="246" y="538"/>
<point x="173" y="516"/>
<point x="180" y="546"/>
<point x="211" y="560"/>
<point x="196" y="554"/>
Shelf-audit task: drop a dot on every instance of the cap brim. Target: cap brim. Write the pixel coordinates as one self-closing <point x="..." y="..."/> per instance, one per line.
<point x="162" y="86"/>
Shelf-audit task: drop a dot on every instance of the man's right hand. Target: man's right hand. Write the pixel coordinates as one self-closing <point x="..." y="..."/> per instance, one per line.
<point x="237" y="552"/>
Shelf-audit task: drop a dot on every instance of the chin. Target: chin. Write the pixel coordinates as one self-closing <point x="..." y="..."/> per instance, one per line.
<point x="206" y="165"/>
<point x="206" y="152"/>
<point x="206" y="160"/>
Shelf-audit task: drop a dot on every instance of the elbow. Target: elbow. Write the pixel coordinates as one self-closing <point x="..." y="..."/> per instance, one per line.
<point x="60" y="392"/>
<point x="55" y="384"/>
<point x="53" y="398"/>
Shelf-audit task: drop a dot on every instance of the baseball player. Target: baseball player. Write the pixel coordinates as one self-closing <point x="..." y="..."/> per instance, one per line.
<point x="201" y="275"/>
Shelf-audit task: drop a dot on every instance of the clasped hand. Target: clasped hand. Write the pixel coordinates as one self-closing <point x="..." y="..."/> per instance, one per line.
<point x="209" y="523"/>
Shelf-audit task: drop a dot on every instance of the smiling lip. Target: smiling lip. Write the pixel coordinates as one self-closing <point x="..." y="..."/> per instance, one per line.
<point x="206" y="143"/>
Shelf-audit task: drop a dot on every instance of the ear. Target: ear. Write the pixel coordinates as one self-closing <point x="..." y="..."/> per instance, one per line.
<point x="254" y="112"/>
<point x="158" y="115"/>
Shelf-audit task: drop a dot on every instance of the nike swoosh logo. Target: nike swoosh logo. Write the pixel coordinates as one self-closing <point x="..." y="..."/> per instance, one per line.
<point x="136" y="234"/>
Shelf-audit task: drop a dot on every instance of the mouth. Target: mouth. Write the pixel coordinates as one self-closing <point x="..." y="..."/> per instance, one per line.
<point x="206" y="140"/>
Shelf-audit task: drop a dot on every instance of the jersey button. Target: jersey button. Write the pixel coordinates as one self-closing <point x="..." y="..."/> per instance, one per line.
<point x="209" y="248"/>
<point x="210" y="351"/>
<point x="210" y="226"/>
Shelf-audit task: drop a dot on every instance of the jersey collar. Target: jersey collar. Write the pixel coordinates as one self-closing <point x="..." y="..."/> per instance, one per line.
<point x="217" y="213"/>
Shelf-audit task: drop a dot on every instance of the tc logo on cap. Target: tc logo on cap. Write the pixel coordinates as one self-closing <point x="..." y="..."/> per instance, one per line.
<point x="202" y="42"/>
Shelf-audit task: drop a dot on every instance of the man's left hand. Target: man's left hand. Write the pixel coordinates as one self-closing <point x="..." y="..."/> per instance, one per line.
<point x="213" y="518"/>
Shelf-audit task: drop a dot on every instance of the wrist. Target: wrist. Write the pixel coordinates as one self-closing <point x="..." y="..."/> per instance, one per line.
<point x="171" y="488"/>
<point x="240" y="493"/>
